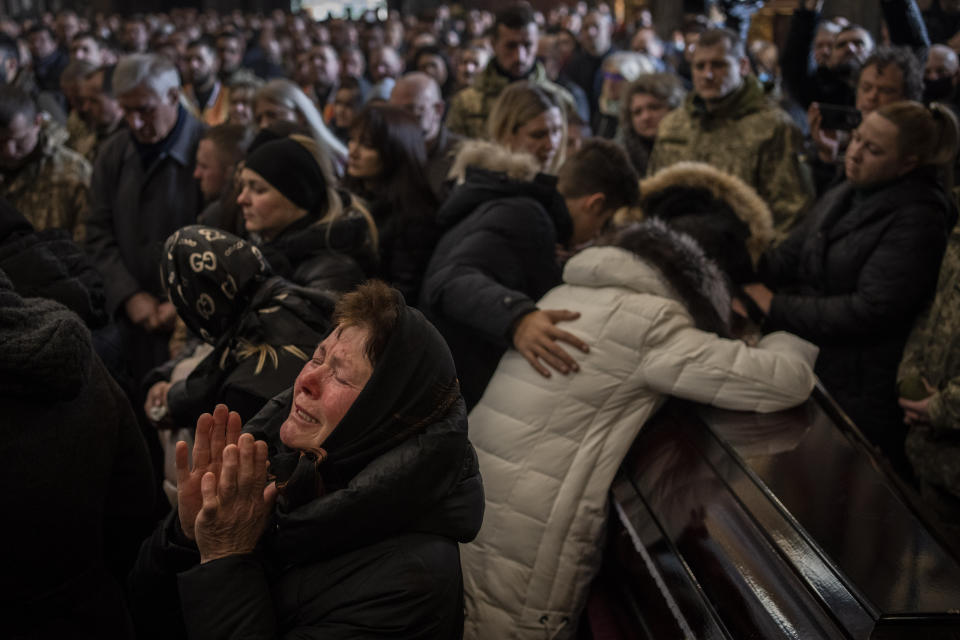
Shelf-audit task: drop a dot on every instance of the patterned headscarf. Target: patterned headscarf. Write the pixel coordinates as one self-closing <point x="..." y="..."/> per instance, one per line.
<point x="211" y="276"/>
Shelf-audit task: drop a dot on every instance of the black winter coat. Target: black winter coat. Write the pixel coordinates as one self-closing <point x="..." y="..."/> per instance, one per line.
<point x="79" y="493"/>
<point x="322" y="256"/>
<point x="49" y="264"/>
<point x="406" y="244"/>
<point x="375" y="559"/>
<point x="134" y="209"/>
<point x="496" y="259"/>
<point x="852" y="279"/>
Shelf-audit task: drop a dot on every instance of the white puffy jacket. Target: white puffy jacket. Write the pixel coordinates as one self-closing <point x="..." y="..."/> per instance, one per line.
<point x="549" y="447"/>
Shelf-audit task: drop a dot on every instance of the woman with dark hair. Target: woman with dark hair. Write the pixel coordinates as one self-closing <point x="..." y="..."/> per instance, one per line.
<point x="386" y="167"/>
<point x="376" y="483"/>
<point x="310" y="233"/>
<point x="645" y="102"/>
<point x="431" y="60"/>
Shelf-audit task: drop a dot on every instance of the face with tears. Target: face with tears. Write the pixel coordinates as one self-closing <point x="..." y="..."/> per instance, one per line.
<point x="327" y="387"/>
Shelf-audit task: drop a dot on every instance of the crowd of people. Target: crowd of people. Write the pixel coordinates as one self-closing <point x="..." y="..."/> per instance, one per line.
<point x="341" y="328"/>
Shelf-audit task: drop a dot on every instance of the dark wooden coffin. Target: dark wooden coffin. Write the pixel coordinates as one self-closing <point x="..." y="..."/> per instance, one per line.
<point x="787" y="525"/>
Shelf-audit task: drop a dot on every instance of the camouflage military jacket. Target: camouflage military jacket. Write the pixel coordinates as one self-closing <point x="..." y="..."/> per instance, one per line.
<point x="51" y="189"/>
<point x="81" y="138"/>
<point x="745" y="136"/>
<point x="470" y="107"/>
<point x="933" y="352"/>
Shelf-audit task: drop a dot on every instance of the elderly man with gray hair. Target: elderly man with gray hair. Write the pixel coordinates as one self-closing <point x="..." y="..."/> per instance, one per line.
<point x="142" y="191"/>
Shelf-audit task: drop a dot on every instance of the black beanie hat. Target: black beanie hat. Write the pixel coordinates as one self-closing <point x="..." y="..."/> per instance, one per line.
<point x="292" y="170"/>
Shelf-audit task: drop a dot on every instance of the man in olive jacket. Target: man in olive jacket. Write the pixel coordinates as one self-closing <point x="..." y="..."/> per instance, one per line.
<point x="728" y="122"/>
<point x="515" y="37"/>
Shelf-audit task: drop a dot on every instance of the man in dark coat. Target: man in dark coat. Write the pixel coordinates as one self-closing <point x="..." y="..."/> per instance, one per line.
<point x="79" y="482"/>
<point x="418" y="94"/>
<point x="142" y="191"/>
<point x="834" y="83"/>
<point x="500" y="254"/>
<point x="585" y="67"/>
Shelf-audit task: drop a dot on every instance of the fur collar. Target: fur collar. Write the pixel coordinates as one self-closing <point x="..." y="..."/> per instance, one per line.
<point x="483" y="154"/>
<point x="737" y="194"/>
<point x="652" y="258"/>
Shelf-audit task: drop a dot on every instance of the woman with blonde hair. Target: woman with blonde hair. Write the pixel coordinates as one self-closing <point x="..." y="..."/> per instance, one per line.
<point x="853" y="277"/>
<point x="529" y="118"/>
<point x="281" y="99"/>
<point x="310" y="232"/>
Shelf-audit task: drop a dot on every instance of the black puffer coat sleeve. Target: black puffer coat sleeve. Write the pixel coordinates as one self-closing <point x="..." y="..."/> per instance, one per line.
<point x="478" y="282"/>
<point x="229" y="598"/>
<point x="906" y="26"/>
<point x="152" y="586"/>
<point x="796" y="61"/>
<point x="896" y="277"/>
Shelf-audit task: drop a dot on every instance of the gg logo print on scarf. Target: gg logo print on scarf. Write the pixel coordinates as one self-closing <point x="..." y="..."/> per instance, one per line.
<point x="200" y="261"/>
<point x="211" y="234"/>
<point x="229" y="287"/>
<point x="205" y="306"/>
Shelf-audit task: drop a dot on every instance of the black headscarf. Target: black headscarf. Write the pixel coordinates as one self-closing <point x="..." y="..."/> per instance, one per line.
<point x="223" y="292"/>
<point x="413" y="384"/>
<point x="211" y="276"/>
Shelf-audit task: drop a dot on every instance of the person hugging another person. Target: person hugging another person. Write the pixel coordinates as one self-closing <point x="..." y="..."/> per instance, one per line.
<point x="655" y="314"/>
<point x="509" y="225"/>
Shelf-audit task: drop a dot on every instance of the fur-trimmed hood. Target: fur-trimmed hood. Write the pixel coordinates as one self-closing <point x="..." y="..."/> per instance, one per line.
<point x="486" y="171"/>
<point x="650" y="257"/>
<point x="483" y="154"/>
<point x="730" y="190"/>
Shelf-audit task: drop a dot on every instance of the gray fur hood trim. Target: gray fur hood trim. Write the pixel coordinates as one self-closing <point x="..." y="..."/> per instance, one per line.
<point x="650" y="257"/>
<point x="483" y="154"/>
<point x="741" y="198"/>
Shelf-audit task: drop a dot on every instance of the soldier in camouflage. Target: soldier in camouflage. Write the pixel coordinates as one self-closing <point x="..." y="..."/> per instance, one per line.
<point x="727" y="122"/>
<point x="81" y="138"/>
<point x="929" y="382"/>
<point x="99" y="107"/>
<point x="515" y="37"/>
<point x="47" y="182"/>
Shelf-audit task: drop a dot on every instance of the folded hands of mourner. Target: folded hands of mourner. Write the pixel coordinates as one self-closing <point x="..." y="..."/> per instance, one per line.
<point x="222" y="502"/>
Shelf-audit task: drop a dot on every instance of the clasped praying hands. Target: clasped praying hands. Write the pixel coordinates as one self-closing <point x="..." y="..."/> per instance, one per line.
<point x="224" y="502"/>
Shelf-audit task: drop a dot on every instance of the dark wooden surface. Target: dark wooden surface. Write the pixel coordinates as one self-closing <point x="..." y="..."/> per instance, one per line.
<point x="734" y="525"/>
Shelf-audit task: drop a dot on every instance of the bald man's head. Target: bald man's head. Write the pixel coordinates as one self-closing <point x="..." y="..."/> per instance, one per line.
<point x="941" y="62"/>
<point x="418" y="94"/>
<point x="940" y="74"/>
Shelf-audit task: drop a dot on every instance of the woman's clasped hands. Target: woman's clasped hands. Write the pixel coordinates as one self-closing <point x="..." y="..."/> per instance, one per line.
<point x="224" y="502"/>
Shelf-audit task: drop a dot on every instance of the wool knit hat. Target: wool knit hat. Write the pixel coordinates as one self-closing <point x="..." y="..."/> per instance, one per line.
<point x="292" y="170"/>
